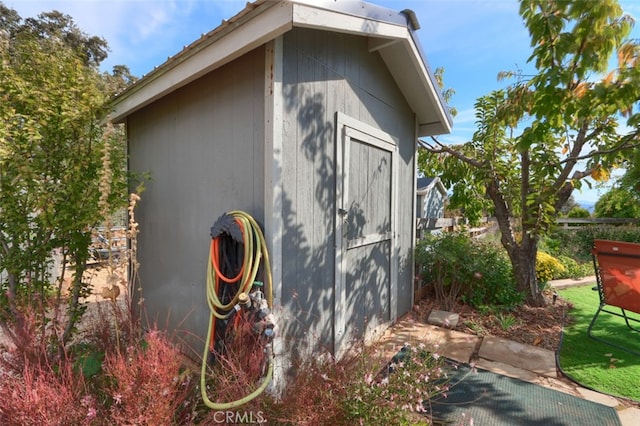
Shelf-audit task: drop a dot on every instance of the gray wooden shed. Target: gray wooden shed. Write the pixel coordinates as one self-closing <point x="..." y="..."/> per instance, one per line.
<point x="431" y="195"/>
<point x="304" y="114"/>
<point x="430" y="204"/>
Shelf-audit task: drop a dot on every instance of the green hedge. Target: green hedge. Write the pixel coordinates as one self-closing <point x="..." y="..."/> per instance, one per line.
<point x="577" y="243"/>
<point x="459" y="268"/>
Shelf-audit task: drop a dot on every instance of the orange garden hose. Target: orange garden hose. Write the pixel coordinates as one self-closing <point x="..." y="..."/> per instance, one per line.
<point x="255" y="254"/>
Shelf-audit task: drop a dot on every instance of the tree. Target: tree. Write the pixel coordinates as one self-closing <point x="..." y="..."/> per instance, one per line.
<point x="631" y="179"/>
<point x="578" y="212"/>
<point x="569" y="205"/>
<point x="620" y="203"/>
<point x="53" y="99"/>
<point x="539" y="138"/>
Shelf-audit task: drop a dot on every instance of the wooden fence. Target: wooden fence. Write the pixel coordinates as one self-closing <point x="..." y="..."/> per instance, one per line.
<point x="450" y="224"/>
<point x="572" y="223"/>
<point x="488" y="224"/>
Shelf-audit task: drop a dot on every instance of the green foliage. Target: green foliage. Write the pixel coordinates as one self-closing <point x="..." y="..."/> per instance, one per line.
<point x="582" y="239"/>
<point x="631" y="179"/>
<point x="459" y="268"/>
<point x="51" y="149"/>
<point x="87" y="360"/>
<point x="577" y="243"/>
<point x="573" y="269"/>
<point x="620" y="203"/>
<point x="562" y="244"/>
<point x="506" y="321"/>
<point x="443" y="261"/>
<point x="413" y="377"/>
<point x="578" y="212"/>
<point x="91" y="49"/>
<point x="493" y="284"/>
<point x="547" y="267"/>
<point x="523" y="158"/>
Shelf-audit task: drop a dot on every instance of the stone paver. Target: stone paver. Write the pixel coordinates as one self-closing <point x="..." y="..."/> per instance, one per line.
<point x="532" y="358"/>
<point x="598" y="397"/>
<point x="629" y="416"/>
<point x="450" y="343"/>
<point x="506" y="370"/>
<point x="570" y="282"/>
<point x="443" y="318"/>
<point x="512" y="359"/>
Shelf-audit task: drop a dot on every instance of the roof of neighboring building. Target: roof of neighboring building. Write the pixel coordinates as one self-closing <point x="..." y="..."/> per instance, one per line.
<point x="425" y="184"/>
<point x="391" y="34"/>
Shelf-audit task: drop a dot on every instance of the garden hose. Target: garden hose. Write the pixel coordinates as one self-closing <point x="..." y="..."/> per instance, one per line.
<point x="245" y="230"/>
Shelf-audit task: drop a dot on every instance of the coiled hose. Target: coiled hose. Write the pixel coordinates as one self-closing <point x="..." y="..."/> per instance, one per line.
<point x="255" y="251"/>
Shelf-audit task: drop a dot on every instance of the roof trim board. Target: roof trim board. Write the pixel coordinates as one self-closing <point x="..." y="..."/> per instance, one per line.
<point x="262" y="21"/>
<point x="211" y="51"/>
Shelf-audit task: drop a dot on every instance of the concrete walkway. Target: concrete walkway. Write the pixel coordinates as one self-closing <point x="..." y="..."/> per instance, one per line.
<point x="512" y="359"/>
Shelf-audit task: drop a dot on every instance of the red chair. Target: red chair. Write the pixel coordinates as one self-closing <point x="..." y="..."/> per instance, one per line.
<point x="617" y="267"/>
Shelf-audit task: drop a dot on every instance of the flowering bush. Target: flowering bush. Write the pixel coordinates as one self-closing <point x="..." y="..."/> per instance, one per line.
<point x="547" y="267"/>
<point x="404" y="386"/>
<point x="43" y="395"/>
<point x="145" y="382"/>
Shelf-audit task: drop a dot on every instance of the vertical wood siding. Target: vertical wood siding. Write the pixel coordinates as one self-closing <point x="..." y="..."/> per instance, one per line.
<point x="203" y="147"/>
<point x="324" y="73"/>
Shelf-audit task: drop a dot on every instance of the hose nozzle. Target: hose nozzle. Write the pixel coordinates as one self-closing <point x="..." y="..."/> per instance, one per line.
<point x="244" y="300"/>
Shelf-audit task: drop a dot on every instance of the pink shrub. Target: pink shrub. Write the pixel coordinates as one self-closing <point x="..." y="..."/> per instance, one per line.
<point x="146" y="386"/>
<point x="46" y="396"/>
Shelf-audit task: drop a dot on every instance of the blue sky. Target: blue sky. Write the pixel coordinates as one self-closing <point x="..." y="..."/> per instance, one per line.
<point x="472" y="40"/>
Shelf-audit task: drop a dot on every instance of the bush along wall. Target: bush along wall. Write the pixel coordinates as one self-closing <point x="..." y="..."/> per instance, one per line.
<point x="458" y="268"/>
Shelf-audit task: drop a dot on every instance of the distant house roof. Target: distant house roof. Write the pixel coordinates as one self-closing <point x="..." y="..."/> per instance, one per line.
<point x="390" y="33"/>
<point x="425" y="184"/>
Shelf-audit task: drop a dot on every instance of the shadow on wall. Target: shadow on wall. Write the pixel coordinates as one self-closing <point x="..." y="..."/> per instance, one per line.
<point x="309" y="248"/>
<point x="308" y="232"/>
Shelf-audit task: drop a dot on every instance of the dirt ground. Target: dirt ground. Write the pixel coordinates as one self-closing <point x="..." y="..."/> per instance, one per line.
<point x="540" y="327"/>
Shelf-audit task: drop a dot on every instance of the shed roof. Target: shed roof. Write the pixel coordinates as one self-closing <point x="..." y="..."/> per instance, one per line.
<point x="425" y="184"/>
<point x="390" y="33"/>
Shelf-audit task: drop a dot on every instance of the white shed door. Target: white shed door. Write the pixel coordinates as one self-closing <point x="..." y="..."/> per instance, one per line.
<point x="366" y="270"/>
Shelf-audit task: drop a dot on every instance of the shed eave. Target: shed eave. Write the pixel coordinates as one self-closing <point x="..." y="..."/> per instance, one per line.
<point x="434" y="182"/>
<point x="214" y="49"/>
<point x="390" y="34"/>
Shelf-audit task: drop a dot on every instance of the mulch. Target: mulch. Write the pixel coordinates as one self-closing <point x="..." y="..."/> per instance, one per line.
<point x="537" y="326"/>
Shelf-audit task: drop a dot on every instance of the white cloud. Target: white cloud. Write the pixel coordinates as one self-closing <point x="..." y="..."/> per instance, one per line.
<point x="141" y="33"/>
<point x="453" y="139"/>
<point x="465" y="116"/>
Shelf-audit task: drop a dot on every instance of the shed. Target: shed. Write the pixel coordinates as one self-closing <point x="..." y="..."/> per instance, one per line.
<point x="305" y="114"/>
<point x="430" y="197"/>
<point x="430" y="203"/>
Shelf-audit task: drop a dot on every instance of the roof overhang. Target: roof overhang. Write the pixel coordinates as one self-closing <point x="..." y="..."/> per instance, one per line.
<point x="390" y="33"/>
<point x="435" y="183"/>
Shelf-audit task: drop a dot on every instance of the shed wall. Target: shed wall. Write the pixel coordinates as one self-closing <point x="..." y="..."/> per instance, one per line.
<point x="203" y="148"/>
<point x="325" y="73"/>
<point x="433" y="204"/>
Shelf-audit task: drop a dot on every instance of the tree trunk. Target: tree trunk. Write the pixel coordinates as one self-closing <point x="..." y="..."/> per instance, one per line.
<point x="75" y="309"/>
<point x="523" y="260"/>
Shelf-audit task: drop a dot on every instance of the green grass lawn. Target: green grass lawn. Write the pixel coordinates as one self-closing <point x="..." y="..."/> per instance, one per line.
<point x="594" y="364"/>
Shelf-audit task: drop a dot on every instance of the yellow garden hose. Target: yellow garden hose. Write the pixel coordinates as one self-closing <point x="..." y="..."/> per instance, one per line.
<point x="254" y="254"/>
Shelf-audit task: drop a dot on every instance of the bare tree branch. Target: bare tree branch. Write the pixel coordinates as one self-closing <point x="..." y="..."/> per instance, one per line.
<point x="619" y="147"/>
<point x="442" y="148"/>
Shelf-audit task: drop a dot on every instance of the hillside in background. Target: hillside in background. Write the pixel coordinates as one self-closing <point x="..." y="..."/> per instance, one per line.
<point x="589" y="205"/>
